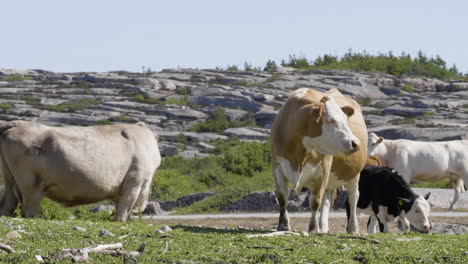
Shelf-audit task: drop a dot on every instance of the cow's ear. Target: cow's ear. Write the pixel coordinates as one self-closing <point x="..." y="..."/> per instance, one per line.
<point x="403" y="201"/>
<point x="380" y="140"/>
<point x="324" y="99"/>
<point x="348" y="110"/>
<point x="427" y="196"/>
<point x="318" y="112"/>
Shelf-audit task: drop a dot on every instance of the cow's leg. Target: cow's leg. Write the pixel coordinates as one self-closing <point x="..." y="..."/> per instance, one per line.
<point x="372" y="225"/>
<point x="316" y="195"/>
<point x="324" y="210"/>
<point x="29" y="192"/>
<point x="405" y="224"/>
<point x="9" y="200"/>
<point x="458" y="188"/>
<point x="353" y="196"/>
<point x="129" y="193"/>
<point x="282" y="196"/>
<point x="142" y="200"/>
<point x="382" y="218"/>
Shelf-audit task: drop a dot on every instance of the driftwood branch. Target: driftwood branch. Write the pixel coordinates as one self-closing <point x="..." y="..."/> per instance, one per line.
<point x="6" y="248"/>
<point x="82" y="254"/>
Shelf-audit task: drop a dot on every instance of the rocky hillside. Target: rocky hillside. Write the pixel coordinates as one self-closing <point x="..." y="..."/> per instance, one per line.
<point x="170" y="102"/>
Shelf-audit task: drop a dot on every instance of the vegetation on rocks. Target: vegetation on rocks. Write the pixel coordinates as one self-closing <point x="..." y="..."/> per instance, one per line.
<point x="6" y="106"/>
<point x="421" y="65"/>
<point x="218" y="122"/>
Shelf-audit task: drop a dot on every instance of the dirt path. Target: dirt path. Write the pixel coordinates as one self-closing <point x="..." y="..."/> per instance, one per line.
<point x="299" y="221"/>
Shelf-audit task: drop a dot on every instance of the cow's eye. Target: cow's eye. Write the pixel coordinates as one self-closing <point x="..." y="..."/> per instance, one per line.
<point x="417" y="211"/>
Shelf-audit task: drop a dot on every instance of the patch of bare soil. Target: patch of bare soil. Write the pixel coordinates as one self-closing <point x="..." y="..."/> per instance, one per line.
<point x="337" y="225"/>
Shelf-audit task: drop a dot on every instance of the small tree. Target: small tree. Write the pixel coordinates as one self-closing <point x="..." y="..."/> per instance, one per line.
<point x="270" y="66"/>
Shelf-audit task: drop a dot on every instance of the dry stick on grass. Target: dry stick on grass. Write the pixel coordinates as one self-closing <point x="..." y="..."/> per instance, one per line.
<point x="277" y="233"/>
<point x="82" y="254"/>
<point x="269" y="247"/>
<point x="165" y="249"/>
<point x="6" y="248"/>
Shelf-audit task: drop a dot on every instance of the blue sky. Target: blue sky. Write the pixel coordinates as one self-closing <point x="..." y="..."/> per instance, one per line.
<point x="104" y="35"/>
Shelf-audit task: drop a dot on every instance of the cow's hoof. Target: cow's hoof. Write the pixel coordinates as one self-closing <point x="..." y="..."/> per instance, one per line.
<point x="283" y="228"/>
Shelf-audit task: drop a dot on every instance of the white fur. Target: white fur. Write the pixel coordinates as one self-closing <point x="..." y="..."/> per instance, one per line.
<point x="336" y="137"/>
<point x="424" y="161"/>
<point x="416" y="216"/>
<point x="299" y="93"/>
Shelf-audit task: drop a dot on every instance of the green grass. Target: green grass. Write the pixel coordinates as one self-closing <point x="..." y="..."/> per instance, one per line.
<point x="444" y="184"/>
<point x="186" y="244"/>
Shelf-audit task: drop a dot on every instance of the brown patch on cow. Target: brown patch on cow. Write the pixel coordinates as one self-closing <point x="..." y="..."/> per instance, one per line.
<point x="349" y="111"/>
<point x="373" y="161"/>
<point x="298" y="118"/>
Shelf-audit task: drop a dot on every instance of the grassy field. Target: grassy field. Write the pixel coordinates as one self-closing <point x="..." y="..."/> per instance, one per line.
<point x="188" y="244"/>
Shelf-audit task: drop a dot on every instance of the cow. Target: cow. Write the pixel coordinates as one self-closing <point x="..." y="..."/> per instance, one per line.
<point x="385" y="196"/>
<point x="424" y="161"/>
<point x="76" y="165"/>
<point x="319" y="141"/>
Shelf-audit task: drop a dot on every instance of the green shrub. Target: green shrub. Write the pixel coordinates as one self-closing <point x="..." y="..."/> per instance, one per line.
<point x="123" y="118"/>
<point x="6" y="106"/>
<point x="103" y="122"/>
<point x="247" y="158"/>
<point x="232" y="68"/>
<point x="218" y="122"/>
<point x="407" y="88"/>
<point x="69" y="106"/>
<point x="170" y="184"/>
<point x="420" y="65"/>
<point x="178" y="101"/>
<point x="14" y="78"/>
<point x="364" y="101"/>
<point x="53" y="211"/>
<point x="270" y="66"/>
<point x="183" y="90"/>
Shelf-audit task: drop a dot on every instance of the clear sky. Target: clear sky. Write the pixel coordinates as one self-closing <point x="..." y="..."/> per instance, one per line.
<point x="104" y="35"/>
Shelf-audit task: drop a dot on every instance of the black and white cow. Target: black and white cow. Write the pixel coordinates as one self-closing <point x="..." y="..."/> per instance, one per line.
<point x="385" y="196"/>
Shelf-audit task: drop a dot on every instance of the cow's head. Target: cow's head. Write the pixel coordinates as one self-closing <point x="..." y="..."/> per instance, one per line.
<point x="336" y="136"/>
<point x="374" y="144"/>
<point x="418" y="212"/>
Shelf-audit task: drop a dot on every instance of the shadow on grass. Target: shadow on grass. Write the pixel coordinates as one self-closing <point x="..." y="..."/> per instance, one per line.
<point x="197" y="229"/>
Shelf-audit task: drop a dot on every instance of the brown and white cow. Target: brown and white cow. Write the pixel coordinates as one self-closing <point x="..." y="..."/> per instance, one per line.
<point x="319" y="141"/>
<point x="76" y="165"/>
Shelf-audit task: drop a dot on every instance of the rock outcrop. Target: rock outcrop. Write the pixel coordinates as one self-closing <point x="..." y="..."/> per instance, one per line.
<point x="172" y="101"/>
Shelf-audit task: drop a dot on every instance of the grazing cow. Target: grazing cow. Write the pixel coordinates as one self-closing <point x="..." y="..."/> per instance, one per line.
<point x="386" y="196"/>
<point x="76" y="165"/>
<point x="424" y="161"/>
<point x="318" y="142"/>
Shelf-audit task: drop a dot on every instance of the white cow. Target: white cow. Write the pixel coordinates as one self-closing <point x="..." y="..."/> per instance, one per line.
<point x="76" y="165"/>
<point x="424" y="161"/>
